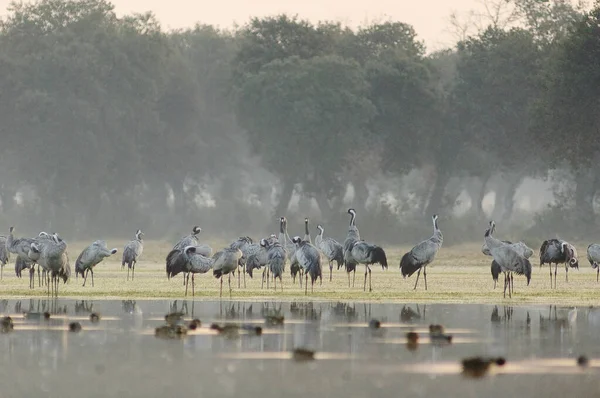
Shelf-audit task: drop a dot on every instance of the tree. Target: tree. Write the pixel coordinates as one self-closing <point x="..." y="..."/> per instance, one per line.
<point x="567" y="123"/>
<point x="302" y="117"/>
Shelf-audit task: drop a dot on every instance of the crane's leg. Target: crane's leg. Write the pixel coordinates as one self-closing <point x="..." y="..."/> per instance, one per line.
<point x="193" y="286"/>
<point x="330" y="270"/>
<point x="417" y="281"/>
<point x="92" y="271"/>
<point x="555" y="270"/>
<point x="133" y="270"/>
<point x="494" y="283"/>
<point x="365" y="284"/>
<point x="550" y="266"/>
<point x="300" y="278"/>
<point x="306" y="285"/>
<point x="566" y="273"/>
<point x="348" y="280"/>
<point x="312" y="285"/>
<point x="597" y="272"/>
<point x="84" y="277"/>
<point x="509" y="285"/>
<point x="230" y="285"/>
<point x="370" y="288"/>
<point x="221" y="290"/>
<point x="512" y="283"/>
<point x="1" y="270"/>
<point x="39" y="278"/>
<point x="275" y="283"/>
<point x="184" y="275"/>
<point x="505" y="283"/>
<point x="239" y="278"/>
<point x="354" y="277"/>
<point x="281" y="282"/>
<point x="128" y="271"/>
<point x="186" y="278"/>
<point x="268" y="277"/>
<point x="425" y="276"/>
<point x="243" y="271"/>
<point x="262" y="285"/>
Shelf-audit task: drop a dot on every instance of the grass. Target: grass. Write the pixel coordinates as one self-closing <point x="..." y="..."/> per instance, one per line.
<point x="460" y="274"/>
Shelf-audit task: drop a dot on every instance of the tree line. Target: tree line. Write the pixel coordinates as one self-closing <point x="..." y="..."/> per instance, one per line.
<point x="112" y="124"/>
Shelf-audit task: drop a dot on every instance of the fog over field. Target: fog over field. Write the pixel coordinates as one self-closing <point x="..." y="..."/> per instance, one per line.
<point x="112" y="122"/>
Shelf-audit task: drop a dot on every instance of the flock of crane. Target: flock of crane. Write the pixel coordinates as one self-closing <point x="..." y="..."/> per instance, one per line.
<point x="271" y="254"/>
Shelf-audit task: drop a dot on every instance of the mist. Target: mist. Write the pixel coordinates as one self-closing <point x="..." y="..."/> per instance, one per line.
<point x="111" y="124"/>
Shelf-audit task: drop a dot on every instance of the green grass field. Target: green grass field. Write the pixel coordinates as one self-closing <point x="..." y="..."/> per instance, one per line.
<point x="460" y="274"/>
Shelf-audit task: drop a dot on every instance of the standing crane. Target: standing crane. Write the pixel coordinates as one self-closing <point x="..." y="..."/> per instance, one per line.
<point x="224" y="263"/>
<point x="309" y="259"/>
<point x="132" y="253"/>
<point x="276" y="258"/>
<point x="352" y="237"/>
<point x="593" y="255"/>
<point x="508" y="259"/>
<point x="558" y="251"/>
<point x="91" y="256"/>
<point x="331" y="249"/>
<point x="519" y="247"/>
<point x="4" y="254"/>
<point x="420" y="256"/>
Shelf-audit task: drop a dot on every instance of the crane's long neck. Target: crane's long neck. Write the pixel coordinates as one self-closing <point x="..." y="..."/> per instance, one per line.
<point x="352" y="219"/>
<point x="321" y="230"/>
<point x="282" y="231"/>
<point x="306" y="228"/>
<point x="437" y="234"/>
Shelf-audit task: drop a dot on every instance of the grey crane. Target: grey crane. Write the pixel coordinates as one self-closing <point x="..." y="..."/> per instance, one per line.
<point x="420" y="256"/>
<point x="52" y="256"/>
<point x="331" y="249"/>
<point x="558" y="251"/>
<point x="290" y="249"/>
<point x="309" y="259"/>
<point x="224" y="263"/>
<point x="192" y="240"/>
<point x="508" y="259"/>
<point x="276" y="258"/>
<point x="91" y="256"/>
<point x="189" y="260"/>
<point x="257" y="258"/>
<point x="132" y="252"/>
<point x="352" y="237"/>
<point x="358" y="251"/>
<point x="4" y="254"/>
<point x="519" y="247"/>
<point x="593" y="255"/>
<point x="21" y="247"/>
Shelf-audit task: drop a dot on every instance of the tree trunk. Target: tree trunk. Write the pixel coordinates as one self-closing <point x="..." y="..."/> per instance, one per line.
<point x="361" y="194"/>
<point x="287" y="190"/>
<point x="509" y="195"/>
<point x="482" y="192"/>
<point x="435" y="205"/>
<point x="584" y="194"/>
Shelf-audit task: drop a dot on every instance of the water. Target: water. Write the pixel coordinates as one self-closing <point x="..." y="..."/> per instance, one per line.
<point x="121" y="357"/>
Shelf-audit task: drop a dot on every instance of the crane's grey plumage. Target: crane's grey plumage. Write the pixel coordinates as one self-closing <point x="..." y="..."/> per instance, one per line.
<point x="352" y="237"/>
<point x="132" y="252"/>
<point x="290" y="249"/>
<point x="276" y="258"/>
<point x="52" y="256"/>
<point x="256" y="259"/>
<point x="21" y="247"/>
<point x="191" y="240"/>
<point x="558" y="251"/>
<point x="358" y="251"/>
<point x="224" y="263"/>
<point x="309" y="259"/>
<point x="508" y="259"/>
<point x="422" y="254"/>
<point x="593" y="255"/>
<point x="188" y="260"/>
<point x="330" y="248"/>
<point x="519" y="247"/>
<point x="4" y="254"/>
<point x="91" y="256"/>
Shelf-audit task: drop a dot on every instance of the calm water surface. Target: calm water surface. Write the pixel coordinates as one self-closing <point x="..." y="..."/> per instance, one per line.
<point x="121" y="357"/>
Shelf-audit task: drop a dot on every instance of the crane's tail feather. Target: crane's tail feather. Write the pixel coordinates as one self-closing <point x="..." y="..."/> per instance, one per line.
<point x="377" y="255"/>
<point x="496" y="270"/>
<point x="408" y="265"/>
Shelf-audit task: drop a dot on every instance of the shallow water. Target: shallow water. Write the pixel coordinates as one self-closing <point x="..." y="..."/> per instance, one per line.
<point x="121" y="357"/>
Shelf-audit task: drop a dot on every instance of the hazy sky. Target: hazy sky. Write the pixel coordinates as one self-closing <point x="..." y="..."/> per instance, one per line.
<point x="429" y="17"/>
